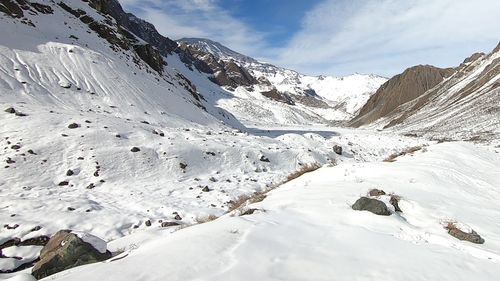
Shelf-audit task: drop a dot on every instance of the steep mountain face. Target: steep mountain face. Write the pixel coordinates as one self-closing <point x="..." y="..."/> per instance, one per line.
<point x="145" y="30"/>
<point x="107" y="127"/>
<point x="330" y="97"/>
<point x="464" y="106"/>
<point x="400" y="89"/>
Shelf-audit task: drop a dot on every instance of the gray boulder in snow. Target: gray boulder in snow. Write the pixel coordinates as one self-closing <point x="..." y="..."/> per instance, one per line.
<point x="67" y="249"/>
<point x="472" y="237"/>
<point x="376" y="192"/>
<point x="372" y="205"/>
<point x="337" y="149"/>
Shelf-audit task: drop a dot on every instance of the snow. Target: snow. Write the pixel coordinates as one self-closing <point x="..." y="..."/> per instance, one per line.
<point x="22" y="277"/>
<point x="308" y="231"/>
<point x="96" y="242"/>
<point x="345" y="95"/>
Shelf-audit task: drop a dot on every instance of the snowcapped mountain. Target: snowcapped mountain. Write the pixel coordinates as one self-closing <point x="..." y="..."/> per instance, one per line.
<point x="110" y="128"/>
<point x="460" y="103"/>
<point x="218" y="50"/>
<point x="333" y="98"/>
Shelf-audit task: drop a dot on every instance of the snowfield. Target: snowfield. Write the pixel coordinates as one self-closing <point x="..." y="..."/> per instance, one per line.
<point x="306" y="230"/>
<point x="156" y="163"/>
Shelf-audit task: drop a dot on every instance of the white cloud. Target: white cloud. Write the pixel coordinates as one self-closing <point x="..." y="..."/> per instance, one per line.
<point x="386" y="36"/>
<point x="344" y="36"/>
<point x="198" y="18"/>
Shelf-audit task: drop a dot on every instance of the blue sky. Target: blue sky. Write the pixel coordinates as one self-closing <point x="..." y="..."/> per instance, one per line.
<point x="334" y="37"/>
<point x="277" y="19"/>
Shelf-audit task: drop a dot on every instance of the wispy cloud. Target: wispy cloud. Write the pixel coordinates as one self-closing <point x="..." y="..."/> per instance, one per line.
<point x="198" y="18"/>
<point x="386" y="36"/>
<point x="343" y="36"/>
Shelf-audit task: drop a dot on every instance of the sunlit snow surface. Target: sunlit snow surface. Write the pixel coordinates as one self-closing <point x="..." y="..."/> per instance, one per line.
<point x="307" y="230"/>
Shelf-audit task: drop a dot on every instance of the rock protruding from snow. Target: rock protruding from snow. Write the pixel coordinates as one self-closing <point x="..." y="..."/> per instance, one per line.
<point x="470" y="235"/>
<point x="337" y="149"/>
<point x="372" y="205"/>
<point x="67" y="249"/>
<point x="376" y="192"/>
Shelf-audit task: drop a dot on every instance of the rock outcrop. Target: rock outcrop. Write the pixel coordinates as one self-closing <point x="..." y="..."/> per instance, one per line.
<point x="66" y="250"/>
<point x="398" y="90"/>
<point x="225" y="72"/>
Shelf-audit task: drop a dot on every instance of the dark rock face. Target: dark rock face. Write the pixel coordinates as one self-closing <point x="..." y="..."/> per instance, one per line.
<point x="274" y="94"/>
<point x="11" y="8"/>
<point x="472" y="237"/>
<point x="137" y="26"/>
<point x="63" y="251"/>
<point x="226" y="72"/>
<point x="123" y="34"/>
<point x="404" y="87"/>
<point x="16" y="8"/>
<point x="372" y="205"/>
<point x="150" y="55"/>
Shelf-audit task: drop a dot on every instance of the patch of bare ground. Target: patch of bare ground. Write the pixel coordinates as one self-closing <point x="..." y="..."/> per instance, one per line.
<point x="408" y="151"/>
<point x="241" y="202"/>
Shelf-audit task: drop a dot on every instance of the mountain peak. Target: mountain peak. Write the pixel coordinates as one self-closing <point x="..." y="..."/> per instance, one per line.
<point x="215" y="48"/>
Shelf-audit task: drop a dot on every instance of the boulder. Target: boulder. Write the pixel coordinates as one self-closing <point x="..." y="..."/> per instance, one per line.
<point x="395" y="203"/>
<point x="337" y="149"/>
<point x="372" y="205"/>
<point x="472" y="237"/>
<point x="10" y="110"/>
<point x="376" y="192"/>
<point x="73" y="126"/>
<point x="264" y="158"/>
<point x="68" y="249"/>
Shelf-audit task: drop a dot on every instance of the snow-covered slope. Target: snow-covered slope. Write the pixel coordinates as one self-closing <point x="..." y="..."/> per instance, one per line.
<point x="306" y="230"/>
<point x="465" y="106"/>
<point x="333" y="98"/>
<point x="102" y="133"/>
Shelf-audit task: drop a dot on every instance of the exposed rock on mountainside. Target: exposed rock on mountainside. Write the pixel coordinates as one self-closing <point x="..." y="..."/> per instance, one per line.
<point x="400" y="89"/>
<point x="117" y="35"/>
<point x="465" y="106"/>
<point x="329" y="97"/>
<point x="143" y="29"/>
<point x="225" y="72"/>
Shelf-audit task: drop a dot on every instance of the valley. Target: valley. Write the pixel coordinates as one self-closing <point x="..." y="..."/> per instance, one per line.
<point x="192" y="161"/>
